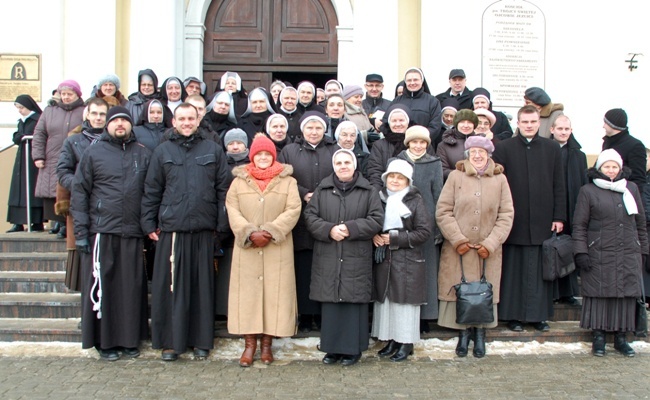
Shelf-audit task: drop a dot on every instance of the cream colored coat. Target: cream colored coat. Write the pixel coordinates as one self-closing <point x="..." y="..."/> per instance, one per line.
<point x="475" y="209"/>
<point x="262" y="294"/>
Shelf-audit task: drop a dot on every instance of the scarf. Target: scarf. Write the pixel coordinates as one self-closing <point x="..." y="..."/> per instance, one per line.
<point x="397" y="140"/>
<point x="396" y="209"/>
<point x="620" y="186"/>
<point x="412" y="156"/>
<point x="345" y="187"/>
<point x="263" y="176"/>
<point x="237" y="157"/>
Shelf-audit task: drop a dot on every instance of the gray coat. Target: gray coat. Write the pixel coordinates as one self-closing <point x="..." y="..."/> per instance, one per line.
<point x="50" y="132"/>
<point x="613" y="240"/>
<point x="342" y="271"/>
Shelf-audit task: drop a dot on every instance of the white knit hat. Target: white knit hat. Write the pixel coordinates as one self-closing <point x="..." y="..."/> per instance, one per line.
<point x="609" y="155"/>
<point x="401" y="167"/>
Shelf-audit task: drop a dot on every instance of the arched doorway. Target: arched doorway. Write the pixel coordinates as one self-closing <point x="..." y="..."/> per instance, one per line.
<point x="263" y="40"/>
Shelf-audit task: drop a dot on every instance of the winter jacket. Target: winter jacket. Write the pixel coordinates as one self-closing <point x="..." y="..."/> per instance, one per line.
<point x="342" y="270"/>
<point x="451" y="150"/>
<point x="478" y="210"/>
<point x="401" y="276"/>
<point x="464" y="100"/>
<point x="149" y="134"/>
<point x="107" y="188"/>
<point x="575" y="169"/>
<point x="425" y="110"/>
<point x="310" y="166"/>
<point x="71" y="151"/>
<point x="613" y="240"/>
<point x="632" y="151"/>
<point x="50" y="132"/>
<point x="186" y="186"/>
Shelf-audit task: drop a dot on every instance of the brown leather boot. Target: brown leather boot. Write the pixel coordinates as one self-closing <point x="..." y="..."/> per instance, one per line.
<point x="250" y="346"/>
<point x="267" y="355"/>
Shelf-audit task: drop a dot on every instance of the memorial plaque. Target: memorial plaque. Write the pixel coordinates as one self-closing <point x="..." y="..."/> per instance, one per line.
<point x="20" y="74"/>
<point x="513" y="50"/>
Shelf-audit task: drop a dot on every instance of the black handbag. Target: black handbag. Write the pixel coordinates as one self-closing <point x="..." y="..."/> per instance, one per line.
<point x="474" y="300"/>
<point x="641" y="329"/>
<point x="558" y="257"/>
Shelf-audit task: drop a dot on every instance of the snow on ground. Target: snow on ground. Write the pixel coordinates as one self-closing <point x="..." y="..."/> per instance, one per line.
<point x="286" y="350"/>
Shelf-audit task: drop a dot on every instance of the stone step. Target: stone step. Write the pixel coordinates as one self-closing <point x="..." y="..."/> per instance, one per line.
<point x="32" y="282"/>
<point x="566" y="312"/>
<point x="40" y="305"/>
<point x="65" y="330"/>
<point x="30" y="242"/>
<point x="35" y="262"/>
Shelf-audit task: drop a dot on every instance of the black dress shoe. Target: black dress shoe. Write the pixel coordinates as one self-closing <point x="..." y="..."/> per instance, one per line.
<point x="331" y="358"/>
<point x="305" y="326"/>
<point x="63" y="232"/>
<point x="109" y="355"/>
<point x="405" y="350"/>
<point x="347" y="360"/>
<point x="424" y="326"/>
<point x="389" y="349"/>
<point x="542" y="326"/>
<point x="132" y="352"/>
<point x="515" y="326"/>
<point x="169" y="355"/>
<point x="201" y="353"/>
<point x="55" y="229"/>
<point x="570" y="300"/>
<point x="37" y="227"/>
<point x="16" y="228"/>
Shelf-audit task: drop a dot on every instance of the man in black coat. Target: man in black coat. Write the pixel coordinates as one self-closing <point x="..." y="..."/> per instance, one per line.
<point x="631" y="149"/>
<point x="458" y="90"/>
<point x="182" y="207"/>
<point x="374" y="100"/>
<point x="533" y="166"/>
<point x="574" y="162"/>
<point x="106" y="194"/>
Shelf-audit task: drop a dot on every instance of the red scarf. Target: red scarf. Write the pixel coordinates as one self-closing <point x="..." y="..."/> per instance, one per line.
<point x="263" y="176"/>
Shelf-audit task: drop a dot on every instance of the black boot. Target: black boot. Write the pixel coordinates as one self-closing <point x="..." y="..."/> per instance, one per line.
<point x="63" y="232"/>
<point x="598" y="346"/>
<point x="479" y="343"/>
<point x="622" y="346"/>
<point x="464" y="337"/>
<point x="55" y="228"/>
<point x="37" y="227"/>
<point x="389" y="349"/>
<point x="16" y="228"/>
<point x="405" y="350"/>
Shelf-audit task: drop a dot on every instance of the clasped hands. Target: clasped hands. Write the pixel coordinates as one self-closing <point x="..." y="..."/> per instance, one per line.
<point x="482" y="251"/>
<point x="339" y="232"/>
<point x="260" y="238"/>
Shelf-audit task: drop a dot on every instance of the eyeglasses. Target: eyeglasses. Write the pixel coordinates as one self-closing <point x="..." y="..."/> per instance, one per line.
<point x="374" y="85"/>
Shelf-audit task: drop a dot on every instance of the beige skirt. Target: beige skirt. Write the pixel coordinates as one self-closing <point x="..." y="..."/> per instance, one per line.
<point x="447" y="317"/>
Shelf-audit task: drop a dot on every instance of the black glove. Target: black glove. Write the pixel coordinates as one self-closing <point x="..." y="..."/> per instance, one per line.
<point x="582" y="262"/>
<point x="82" y="246"/>
<point x="380" y="254"/>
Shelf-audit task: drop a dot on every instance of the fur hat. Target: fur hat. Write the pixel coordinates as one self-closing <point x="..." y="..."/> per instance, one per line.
<point x="416" y="132"/>
<point x="235" y="134"/>
<point x="537" y="96"/>
<point x="312" y="116"/>
<point x="488" y="114"/>
<point x="616" y="118"/>
<point x="118" y="112"/>
<point x="70" y="84"/>
<point x="262" y="143"/>
<point x="465" y="115"/>
<point x="401" y="167"/>
<point x="352" y="90"/>
<point x="112" y="78"/>
<point x="479" y="141"/>
<point x="609" y="155"/>
<point x="350" y="152"/>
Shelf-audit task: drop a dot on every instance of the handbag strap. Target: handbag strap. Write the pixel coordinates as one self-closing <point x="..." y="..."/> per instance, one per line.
<point x="462" y="270"/>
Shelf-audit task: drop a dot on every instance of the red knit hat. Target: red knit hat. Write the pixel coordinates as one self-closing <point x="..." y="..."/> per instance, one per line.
<point x="262" y="143"/>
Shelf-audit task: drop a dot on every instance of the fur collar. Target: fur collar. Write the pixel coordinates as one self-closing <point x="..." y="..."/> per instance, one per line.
<point x="548" y="109"/>
<point x="467" y="167"/>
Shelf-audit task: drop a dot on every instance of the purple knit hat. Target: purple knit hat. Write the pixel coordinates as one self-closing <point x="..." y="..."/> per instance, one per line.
<point x="70" y="84"/>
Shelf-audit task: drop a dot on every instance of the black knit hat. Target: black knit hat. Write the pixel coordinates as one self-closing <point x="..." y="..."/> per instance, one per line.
<point x="616" y="118"/>
<point x="118" y="112"/>
<point x="537" y="96"/>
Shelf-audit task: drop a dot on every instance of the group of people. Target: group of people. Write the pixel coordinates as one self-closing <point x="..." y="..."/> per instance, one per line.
<point x="282" y="213"/>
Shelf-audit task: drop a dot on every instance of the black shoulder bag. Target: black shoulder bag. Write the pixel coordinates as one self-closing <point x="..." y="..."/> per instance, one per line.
<point x="474" y="300"/>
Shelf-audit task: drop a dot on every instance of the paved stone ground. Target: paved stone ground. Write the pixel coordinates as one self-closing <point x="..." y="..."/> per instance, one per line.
<point x="52" y="372"/>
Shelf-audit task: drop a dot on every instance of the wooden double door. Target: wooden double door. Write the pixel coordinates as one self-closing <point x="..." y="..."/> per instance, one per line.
<point x="264" y="40"/>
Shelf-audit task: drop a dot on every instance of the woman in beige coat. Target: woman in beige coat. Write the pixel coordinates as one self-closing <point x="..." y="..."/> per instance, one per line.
<point x="475" y="215"/>
<point x="263" y="207"/>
